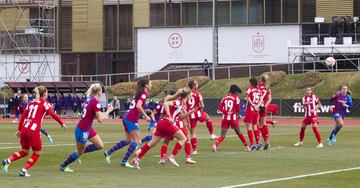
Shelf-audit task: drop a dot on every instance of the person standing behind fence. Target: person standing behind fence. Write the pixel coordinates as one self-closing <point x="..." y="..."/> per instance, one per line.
<point x="116" y="104"/>
<point x="17" y="101"/>
<point x="206" y="67"/>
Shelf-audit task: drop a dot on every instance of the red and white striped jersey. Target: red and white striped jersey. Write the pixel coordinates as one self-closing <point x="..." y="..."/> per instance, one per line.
<point x="310" y="102"/>
<point x="254" y="95"/>
<point x="176" y="109"/>
<point x="230" y="107"/>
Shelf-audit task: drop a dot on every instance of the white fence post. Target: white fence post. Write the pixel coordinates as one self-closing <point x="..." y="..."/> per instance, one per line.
<point x="229" y="76"/>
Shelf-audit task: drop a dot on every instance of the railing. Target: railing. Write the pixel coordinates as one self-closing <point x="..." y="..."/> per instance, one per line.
<point x="221" y="72"/>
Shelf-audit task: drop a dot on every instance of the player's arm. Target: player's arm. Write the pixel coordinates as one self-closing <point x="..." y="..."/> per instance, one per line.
<point x="221" y="107"/>
<point x="141" y="109"/>
<point x="349" y="102"/>
<point x="167" y="105"/>
<point x="186" y="113"/>
<point x="100" y="116"/>
<point x="201" y="102"/>
<point x="269" y="99"/>
<point x="22" y="119"/>
<point x="175" y="96"/>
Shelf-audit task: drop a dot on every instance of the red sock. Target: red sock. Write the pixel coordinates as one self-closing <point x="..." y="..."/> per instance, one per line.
<point x="317" y="134"/>
<point x="144" y="150"/>
<point x="31" y="161"/>
<point x="194" y="143"/>
<point x="219" y="140"/>
<point x="17" y="155"/>
<point x="176" y="149"/>
<point x="251" y="137"/>
<point x="257" y="136"/>
<point x="187" y="149"/>
<point x="163" y="151"/>
<point x="302" y="134"/>
<point x="265" y="133"/>
<point x="243" y="140"/>
<point x="269" y="121"/>
<point x="210" y="127"/>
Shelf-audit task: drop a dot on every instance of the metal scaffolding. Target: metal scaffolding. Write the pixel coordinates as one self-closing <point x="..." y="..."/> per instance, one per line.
<point x="27" y="40"/>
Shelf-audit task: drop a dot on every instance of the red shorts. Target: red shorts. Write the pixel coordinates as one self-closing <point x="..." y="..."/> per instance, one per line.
<point x="251" y="117"/>
<point x="30" y="139"/>
<point x="197" y="116"/>
<point x="263" y="113"/>
<point x="182" y="127"/>
<point x="225" y="124"/>
<point x="310" y="120"/>
<point x="165" y="128"/>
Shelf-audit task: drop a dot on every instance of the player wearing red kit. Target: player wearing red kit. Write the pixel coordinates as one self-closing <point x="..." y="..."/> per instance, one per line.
<point x="166" y="127"/>
<point x="254" y="100"/>
<point x="29" y="130"/>
<point x="196" y="102"/>
<point x="230" y="107"/>
<point x="311" y="103"/>
<point x="266" y="95"/>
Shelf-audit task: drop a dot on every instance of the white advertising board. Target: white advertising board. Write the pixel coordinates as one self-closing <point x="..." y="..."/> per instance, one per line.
<point x="157" y="47"/>
<point x="256" y="44"/>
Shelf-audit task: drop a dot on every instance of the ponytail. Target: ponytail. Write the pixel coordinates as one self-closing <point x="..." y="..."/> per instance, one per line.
<point x="40" y="91"/>
<point x="140" y="86"/>
<point x="93" y="89"/>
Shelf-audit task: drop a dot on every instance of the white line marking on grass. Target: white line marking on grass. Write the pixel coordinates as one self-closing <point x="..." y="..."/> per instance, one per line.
<point x="292" y="177"/>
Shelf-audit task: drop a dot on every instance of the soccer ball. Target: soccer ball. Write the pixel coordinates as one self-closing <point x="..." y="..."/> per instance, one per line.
<point x="330" y="61"/>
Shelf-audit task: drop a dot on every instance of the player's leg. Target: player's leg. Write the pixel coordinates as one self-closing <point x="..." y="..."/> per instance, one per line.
<point x="241" y="136"/>
<point x="209" y="126"/>
<point x="193" y="140"/>
<point x="301" y="134"/>
<point x="218" y="141"/>
<point x="317" y="134"/>
<point x="145" y="149"/>
<point x="31" y="161"/>
<point x="43" y="131"/>
<point x="249" y="129"/>
<point x="163" y="151"/>
<point x="15" y="156"/>
<point x="264" y="130"/>
<point x="339" y="123"/>
<point x="135" y="141"/>
<point x="181" y="141"/>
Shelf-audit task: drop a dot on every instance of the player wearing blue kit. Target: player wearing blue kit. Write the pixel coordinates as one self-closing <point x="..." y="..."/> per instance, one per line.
<point x="343" y="102"/>
<point x="84" y="130"/>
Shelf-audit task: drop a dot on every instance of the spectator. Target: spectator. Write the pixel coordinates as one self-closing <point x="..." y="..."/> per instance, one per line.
<point x="206" y="67"/>
<point x="127" y="104"/>
<point x="116" y="105"/>
<point x="17" y="100"/>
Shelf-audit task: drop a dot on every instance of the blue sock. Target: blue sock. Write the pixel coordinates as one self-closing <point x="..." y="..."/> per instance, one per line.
<point x="130" y="150"/>
<point x="90" y="148"/>
<point x="72" y="157"/>
<point x="334" y="131"/>
<point x="42" y="130"/>
<point x="117" y="146"/>
<point x="146" y="138"/>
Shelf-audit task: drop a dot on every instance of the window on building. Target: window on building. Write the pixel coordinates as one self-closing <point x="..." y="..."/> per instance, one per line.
<point x="189" y="13"/>
<point x="65" y="28"/>
<point x="273" y="11"/>
<point x="356" y="7"/>
<point x="173" y="14"/>
<point x="238" y="12"/>
<point x="157" y="14"/>
<point x="126" y="27"/>
<point x="110" y="27"/>
<point x="256" y="12"/>
<point x="222" y="12"/>
<point x="290" y="11"/>
<point x="205" y="13"/>
<point x="308" y="10"/>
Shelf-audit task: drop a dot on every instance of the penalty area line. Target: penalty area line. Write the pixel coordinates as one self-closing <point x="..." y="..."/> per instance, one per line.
<point x="293" y="177"/>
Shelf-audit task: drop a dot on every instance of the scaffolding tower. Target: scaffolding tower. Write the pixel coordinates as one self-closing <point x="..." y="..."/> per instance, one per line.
<point x="27" y="40"/>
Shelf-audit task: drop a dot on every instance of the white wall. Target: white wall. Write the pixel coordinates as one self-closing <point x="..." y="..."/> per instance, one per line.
<point x="10" y="71"/>
<point x="155" y="48"/>
<point x="257" y="44"/>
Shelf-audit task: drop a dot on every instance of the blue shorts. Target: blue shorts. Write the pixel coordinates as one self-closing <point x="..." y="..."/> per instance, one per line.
<point x="336" y="116"/>
<point x="151" y="125"/>
<point x="81" y="135"/>
<point x="130" y="126"/>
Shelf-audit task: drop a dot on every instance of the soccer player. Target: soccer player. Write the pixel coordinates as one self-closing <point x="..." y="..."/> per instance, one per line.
<point x="266" y="95"/>
<point x="181" y="125"/>
<point x="84" y="130"/>
<point x="130" y="121"/>
<point x="343" y="102"/>
<point x="230" y="107"/>
<point x="196" y="101"/>
<point x="28" y="131"/>
<point x="254" y="100"/>
<point x="311" y="103"/>
<point x="167" y="127"/>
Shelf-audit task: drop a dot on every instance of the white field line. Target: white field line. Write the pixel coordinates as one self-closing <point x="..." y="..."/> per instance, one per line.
<point x="72" y="143"/>
<point x="292" y="177"/>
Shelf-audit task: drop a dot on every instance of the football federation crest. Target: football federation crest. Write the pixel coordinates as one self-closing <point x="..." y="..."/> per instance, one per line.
<point x="258" y="43"/>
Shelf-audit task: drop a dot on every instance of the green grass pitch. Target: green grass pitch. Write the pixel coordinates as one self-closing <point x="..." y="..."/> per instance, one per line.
<point x="231" y="165"/>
